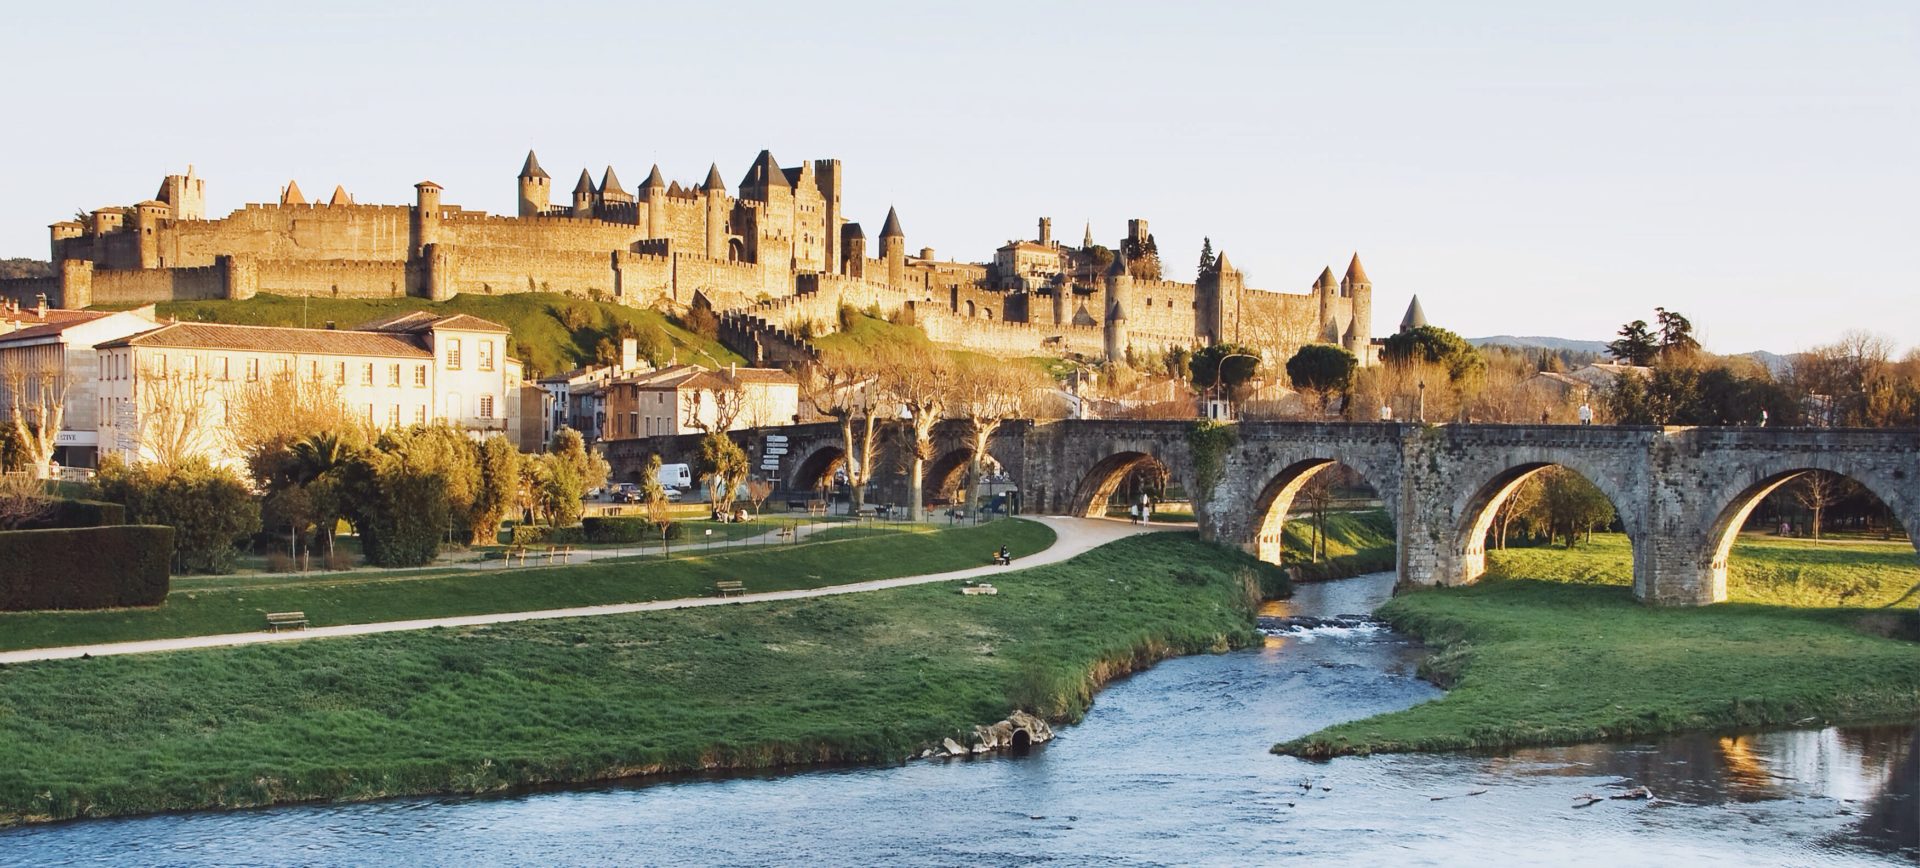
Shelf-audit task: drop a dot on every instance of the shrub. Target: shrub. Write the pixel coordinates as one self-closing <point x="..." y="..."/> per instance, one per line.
<point x="84" y="568"/>
<point x="208" y="507"/>
<point x="339" y="560"/>
<point x="615" y="530"/>
<point x="541" y="534"/>
<point x="79" y="513"/>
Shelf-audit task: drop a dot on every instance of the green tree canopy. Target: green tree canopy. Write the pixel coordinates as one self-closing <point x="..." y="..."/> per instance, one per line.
<point x="1435" y="345"/>
<point x="722" y="466"/>
<point x="1322" y="370"/>
<point x="1226" y="364"/>
<point x="1636" y="345"/>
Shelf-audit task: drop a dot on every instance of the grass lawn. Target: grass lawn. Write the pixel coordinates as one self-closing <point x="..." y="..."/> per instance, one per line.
<point x="1531" y="661"/>
<point x="233" y="604"/>
<point x="547" y="344"/>
<point x="868" y="677"/>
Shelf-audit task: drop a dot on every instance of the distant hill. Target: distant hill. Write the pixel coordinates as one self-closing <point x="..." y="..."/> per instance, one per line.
<point x="1542" y="343"/>
<point x="22" y="267"/>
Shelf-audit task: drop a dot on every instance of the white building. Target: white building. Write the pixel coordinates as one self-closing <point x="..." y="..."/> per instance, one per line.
<point x="688" y="399"/>
<point x="51" y="351"/>
<point x="409" y="369"/>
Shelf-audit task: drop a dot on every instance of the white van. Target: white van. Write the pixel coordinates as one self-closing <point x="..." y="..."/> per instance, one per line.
<point x="678" y="476"/>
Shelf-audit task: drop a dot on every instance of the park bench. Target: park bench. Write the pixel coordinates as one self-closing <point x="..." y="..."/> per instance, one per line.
<point x="784" y="533"/>
<point x="517" y="552"/>
<point x="288" y="620"/>
<point x="816" y="507"/>
<point x="564" y="554"/>
<point x="730" y="589"/>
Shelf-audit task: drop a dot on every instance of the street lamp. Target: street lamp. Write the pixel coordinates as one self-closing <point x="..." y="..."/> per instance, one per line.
<point x="1219" y="373"/>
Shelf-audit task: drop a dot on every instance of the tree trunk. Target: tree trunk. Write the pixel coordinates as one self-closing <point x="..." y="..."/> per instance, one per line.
<point x="916" y="494"/>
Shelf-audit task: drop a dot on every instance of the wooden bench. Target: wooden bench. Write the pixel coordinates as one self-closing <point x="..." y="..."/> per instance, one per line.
<point x="562" y="553"/>
<point x="730" y="589"/>
<point x="516" y="552"/>
<point x="783" y="533"/>
<point x="288" y="620"/>
<point x="816" y="507"/>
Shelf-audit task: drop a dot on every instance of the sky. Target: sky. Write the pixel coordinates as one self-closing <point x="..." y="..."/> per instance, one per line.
<point x="1525" y="168"/>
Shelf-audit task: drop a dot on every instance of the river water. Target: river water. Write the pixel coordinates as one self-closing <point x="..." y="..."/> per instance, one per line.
<point x="1170" y="767"/>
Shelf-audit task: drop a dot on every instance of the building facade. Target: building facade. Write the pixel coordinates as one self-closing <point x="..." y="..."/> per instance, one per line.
<point x="688" y="399"/>
<point x="176" y="386"/>
<point x="47" y="356"/>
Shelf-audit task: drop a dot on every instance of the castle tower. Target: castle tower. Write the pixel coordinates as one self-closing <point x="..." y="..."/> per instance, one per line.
<point x="291" y="195"/>
<point x="1119" y="300"/>
<point x="1359" y="292"/>
<point x="1062" y="292"/>
<point x="187" y="194"/>
<point x="59" y="233"/>
<point x="536" y="188"/>
<point x="714" y="191"/>
<point x="583" y="195"/>
<point x="853" y="243"/>
<point x="827" y="176"/>
<point x="340" y="196"/>
<point x="654" y="191"/>
<point x="893" y="249"/>
<point x="147" y="217"/>
<point x="610" y="189"/>
<point x="1217" y="298"/>
<point x="1323" y="293"/>
<point x="426" y="215"/>
<point x="1046" y="230"/>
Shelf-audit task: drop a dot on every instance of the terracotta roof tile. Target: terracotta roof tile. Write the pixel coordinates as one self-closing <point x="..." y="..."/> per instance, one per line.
<point x="273" y="339"/>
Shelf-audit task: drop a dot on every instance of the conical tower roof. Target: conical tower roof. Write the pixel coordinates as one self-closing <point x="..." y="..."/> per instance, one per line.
<point x="1326" y="277"/>
<point x="532" y="168"/>
<point x="714" y="183"/>
<point x="340" y="196"/>
<point x="1088" y="240"/>
<point x="1356" y="274"/>
<point x="892" y="227"/>
<point x="654" y="179"/>
<point x="765" y="172"/>
<point x="610" y="183"/>
<point x="1221" y="263"/>
<point x="853" y="230"/>
<point x="586" y="183"/>
<point x="1119" y="266"/>
<point x="1415" y="317"/>
<point x="292" y="195"/>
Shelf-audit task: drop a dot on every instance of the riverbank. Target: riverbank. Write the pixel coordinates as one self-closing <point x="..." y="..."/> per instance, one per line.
<point x="201" y="606"/>
<point x="1533" y="662"/>
<point x="864" y="678"/>
<point x="1358" y="542"/>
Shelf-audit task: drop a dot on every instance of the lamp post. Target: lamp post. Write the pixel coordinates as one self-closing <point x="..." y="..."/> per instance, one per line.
<point x="1220" y="371"/>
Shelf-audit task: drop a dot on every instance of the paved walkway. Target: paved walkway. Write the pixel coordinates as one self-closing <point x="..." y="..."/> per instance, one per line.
<point x="1075" y="536"/>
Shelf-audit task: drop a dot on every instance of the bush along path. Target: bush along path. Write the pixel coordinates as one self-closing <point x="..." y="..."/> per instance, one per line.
<point x="870" y="677"/>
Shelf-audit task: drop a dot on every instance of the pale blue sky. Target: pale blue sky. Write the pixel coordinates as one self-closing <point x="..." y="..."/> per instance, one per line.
<point x="1525" y="167"/>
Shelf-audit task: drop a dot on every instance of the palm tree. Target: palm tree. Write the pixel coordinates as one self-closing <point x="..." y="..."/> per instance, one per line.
<point x="319" y="458"/>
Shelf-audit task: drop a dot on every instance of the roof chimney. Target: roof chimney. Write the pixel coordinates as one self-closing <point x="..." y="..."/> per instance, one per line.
<point x="40" y="309"/>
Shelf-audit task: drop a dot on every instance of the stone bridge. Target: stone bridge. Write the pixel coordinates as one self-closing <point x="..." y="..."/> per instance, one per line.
<point x="1681" y="493"/>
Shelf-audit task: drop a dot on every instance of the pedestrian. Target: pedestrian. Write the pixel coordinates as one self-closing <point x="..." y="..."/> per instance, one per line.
<point x="1763" y="417"/>
<point x="1586" y="414"/>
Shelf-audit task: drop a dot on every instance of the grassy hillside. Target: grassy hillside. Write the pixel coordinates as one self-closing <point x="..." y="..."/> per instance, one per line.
<point x="1763" y="569"/>
<point x="551" y="332"/>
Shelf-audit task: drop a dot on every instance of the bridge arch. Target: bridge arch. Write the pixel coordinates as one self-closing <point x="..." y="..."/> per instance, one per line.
<point x="946" y="472"/>
<point x="1275" y="502"/>
<point x="1703" y="578"/>
<point x="1478" y="506"/>
<point x="1098" y="484"/>
<point x="815" y="471"/>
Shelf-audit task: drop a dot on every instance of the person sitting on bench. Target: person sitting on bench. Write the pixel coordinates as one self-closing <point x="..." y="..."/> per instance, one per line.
<point x="1003" y="557"/>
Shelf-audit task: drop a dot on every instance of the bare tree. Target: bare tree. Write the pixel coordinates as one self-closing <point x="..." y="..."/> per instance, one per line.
<point x="23" y="499"/>
<point x="1816" y="490"/>
<point x="269" y="415"/>
<point x="726" y="394"/>
<point x="920" y="379"/>
<point x="37" y="401"/>
<point x="848" y="392"/>
<point x="1522" y="501"/>
<point x="987" y="393"/>
<point x="1318" y="493"/>
<point x="758" y="490"/>
<point x="176" y="416"/>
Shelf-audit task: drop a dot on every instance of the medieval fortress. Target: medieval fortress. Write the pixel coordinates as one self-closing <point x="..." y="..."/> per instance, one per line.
<point x="775" y="259"/>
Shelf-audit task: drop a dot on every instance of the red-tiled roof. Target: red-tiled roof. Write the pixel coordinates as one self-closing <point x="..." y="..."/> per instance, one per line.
<point x="56" y="321"/>
<point x="271" y="339"/>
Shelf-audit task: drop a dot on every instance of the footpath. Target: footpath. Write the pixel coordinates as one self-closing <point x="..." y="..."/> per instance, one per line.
<point x="1074" y="536"/>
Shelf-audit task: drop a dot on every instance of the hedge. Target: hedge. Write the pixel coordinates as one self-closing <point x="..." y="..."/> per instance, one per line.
<point x="84" y="568"/>
<point x="627" y="530"/>
<point x="79" y="513"/>
<point x="540" y="534"/>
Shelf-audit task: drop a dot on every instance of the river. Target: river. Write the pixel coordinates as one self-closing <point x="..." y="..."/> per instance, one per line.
<point x="1170" y="767"/>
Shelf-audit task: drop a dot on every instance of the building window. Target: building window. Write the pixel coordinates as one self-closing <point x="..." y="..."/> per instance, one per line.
<point x="420" y="414"/>
<point x="340" y="373"/>
<point x="313" y="370"/>
<point x="253" y="370"/>
<point x="366" y="374"/>
<point x="281" y="367"/>
<point x="393" y="416"/>
<point x="486" y="406"/>
<point x="369" y="414"/>
<point x="420" y="376"/>
<point x="453" y="354"/>
<point x="393" y="377"/>
<point x="160" y="365"/>
<point x="486" y="355"/>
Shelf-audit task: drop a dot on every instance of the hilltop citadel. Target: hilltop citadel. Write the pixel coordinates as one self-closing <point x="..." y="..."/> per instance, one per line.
<point x="775" y="259"/>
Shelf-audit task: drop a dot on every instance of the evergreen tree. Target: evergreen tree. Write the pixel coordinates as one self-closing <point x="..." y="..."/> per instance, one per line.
<point x="1636" y="345"/>
<point x="1676" y="334"/>
<point x="1208" y="264"/>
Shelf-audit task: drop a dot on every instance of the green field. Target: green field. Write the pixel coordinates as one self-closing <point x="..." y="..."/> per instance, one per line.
<point x="201" y="606"/>
<point x="869" y="677"/>
<point x="541" y="337"/>
<point x="1552" y="648"/>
